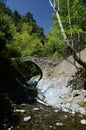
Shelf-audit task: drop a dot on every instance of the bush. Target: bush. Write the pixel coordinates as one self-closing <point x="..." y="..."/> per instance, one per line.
<point x="79" y="80"/>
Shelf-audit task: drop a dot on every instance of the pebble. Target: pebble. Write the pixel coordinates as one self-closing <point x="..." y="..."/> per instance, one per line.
<point x="73" y="112"/>
<point x="82" y="111"/>
<point x="65" y="109"/>
<point x="80" y="115"/>
<point x="10" y="128"/>
<point x="50" y="126"/>
<point x="56" y="110"/>
<point x="23" y="104"/>
<point x="83" y="122"/>
<point x="28" y="118"/>
<point x="59" y="124"/>
<point x="66" y="116"/>
<point x="35" y="109"/>
<point x="18" y="110"/>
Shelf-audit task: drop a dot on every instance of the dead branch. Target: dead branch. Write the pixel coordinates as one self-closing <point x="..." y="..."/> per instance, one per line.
<point x="41" y="102"/>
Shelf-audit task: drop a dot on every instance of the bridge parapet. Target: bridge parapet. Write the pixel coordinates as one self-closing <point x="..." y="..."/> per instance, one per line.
<point x="44" y="62"/>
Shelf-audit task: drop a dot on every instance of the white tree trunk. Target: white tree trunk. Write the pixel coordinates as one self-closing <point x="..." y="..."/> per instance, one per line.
<point x="68" y="6"/>
<point x="53" y="5"/>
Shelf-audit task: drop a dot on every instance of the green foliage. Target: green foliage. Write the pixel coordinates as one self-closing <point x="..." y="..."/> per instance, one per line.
<point x="67" y="101"/>
<point x="20" y="35"/>
<point x="82" y="103"/>
<point x="25" y="42"/>
<point x="79" y="80"/>
<point x="27" y="70"/>
<point x="16" y="17"/>
<point x="5" y="31"/>
<point x="55" y="44"/>
<point x="77" y="10"/>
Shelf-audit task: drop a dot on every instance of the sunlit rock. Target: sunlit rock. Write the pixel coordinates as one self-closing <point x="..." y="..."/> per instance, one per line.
<point x="82" y="111"/>
<point x="28" y="118"/>
<point x="35" y="109"/>
<point x="59" y="124"/>
<point x="10" y="128"/>
<point x="73" y="112"/>
<point x="18" y="110"/>
<point x="50" y="126"/>
<point x="83" y="122"/>
<point x="65" y="109"/>
<point x="23" y="104"/>
<point x="56" y="110"/>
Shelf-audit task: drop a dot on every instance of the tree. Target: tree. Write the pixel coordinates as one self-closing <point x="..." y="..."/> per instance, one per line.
<point x="16" y="17"/>
<point x="5" y="31"/>
<point x="69" y="44"/>
<point x="28" y="18"/>
<point x="26" y="42"/>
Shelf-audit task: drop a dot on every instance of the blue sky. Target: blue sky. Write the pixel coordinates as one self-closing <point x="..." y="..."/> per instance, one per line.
<point x="41" y="10"/>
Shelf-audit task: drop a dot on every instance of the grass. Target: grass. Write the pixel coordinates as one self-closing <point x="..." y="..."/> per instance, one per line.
<point x="82" y="104"/>
<point x="68" y="101"/>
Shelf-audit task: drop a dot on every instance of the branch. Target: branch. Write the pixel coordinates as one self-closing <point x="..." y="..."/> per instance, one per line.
<point x="41" y="102"/>
<point x="73" y="63"/>
<point x="52" y="4"/>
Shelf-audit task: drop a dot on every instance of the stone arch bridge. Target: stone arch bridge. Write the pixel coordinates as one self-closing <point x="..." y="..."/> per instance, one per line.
<point x="44" y="62"/>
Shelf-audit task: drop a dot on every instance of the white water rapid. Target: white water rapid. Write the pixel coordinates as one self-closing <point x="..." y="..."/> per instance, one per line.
<point x="51" y="90"/>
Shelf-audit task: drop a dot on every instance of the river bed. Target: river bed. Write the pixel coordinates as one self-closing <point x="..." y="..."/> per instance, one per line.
<point x="46" y="118"/>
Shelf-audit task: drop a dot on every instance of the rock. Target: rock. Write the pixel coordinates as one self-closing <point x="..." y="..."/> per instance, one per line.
<point x="59" y="124"/>
<point x="83" y="122"/>
<point x="81" y="116"/>
<point x="50" y="126"/>
<point x="35" y="109"/>
<point x="73" y="112"/>
<point x="10" y="128"/>
<point x="28" y="118"/>
<point x="18" y="110"/>
<point x="66" y="116"/>
<point x="68" y="105"/>
<point x="23" y="104"/>
<point x="56" y="110"/>
<point x="65" y="109"/>
<point x="82" y="111"/>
